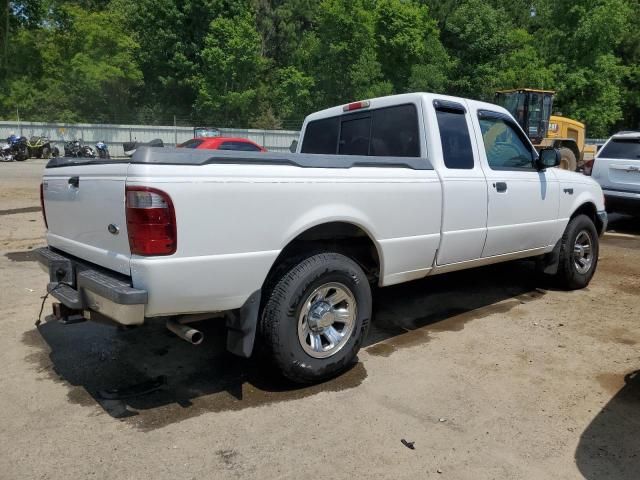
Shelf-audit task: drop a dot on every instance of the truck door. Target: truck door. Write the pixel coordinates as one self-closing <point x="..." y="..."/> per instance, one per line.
<point x="464" y="216"/>
<point x="523" y="202"/>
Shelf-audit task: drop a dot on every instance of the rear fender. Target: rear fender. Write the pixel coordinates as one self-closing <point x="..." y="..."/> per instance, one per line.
<point x="324" y="214"/>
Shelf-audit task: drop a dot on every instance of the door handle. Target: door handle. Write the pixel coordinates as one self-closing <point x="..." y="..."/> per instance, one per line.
<point x="74" y="181"/>
<point x="500" y="187"/>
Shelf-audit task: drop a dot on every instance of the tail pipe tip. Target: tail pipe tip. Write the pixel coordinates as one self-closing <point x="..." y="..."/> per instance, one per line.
<point x="185" y="332"/>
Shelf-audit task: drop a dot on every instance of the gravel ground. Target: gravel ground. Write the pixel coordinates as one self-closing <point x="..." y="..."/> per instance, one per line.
<point x="490" y="374"/>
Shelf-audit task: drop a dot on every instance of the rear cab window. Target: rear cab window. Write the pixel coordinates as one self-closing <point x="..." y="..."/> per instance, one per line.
<point x="387" y="131"/>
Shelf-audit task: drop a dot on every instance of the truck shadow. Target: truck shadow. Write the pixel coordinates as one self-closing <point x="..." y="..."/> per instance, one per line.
<point x="406" y="314"/>
<point x="151" y="378"/>
<point x="610" y="445"/>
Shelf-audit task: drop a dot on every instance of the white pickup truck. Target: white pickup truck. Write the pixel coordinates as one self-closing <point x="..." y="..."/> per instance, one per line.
<point x="288" y="245"/>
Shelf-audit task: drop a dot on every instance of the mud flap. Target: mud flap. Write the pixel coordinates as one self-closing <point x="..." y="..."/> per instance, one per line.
<point x="549" y="262"/>
<point x="242" y="325"/>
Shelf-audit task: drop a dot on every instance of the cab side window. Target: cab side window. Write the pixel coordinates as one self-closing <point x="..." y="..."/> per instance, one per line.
<point x="454" y="136"/>
<point x="504" y="144"/>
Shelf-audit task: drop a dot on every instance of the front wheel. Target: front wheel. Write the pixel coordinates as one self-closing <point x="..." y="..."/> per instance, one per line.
<point x="316" y="317"/>
<point x="578" y="253"/>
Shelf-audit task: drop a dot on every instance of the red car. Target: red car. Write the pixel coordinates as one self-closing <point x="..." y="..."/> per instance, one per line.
<point x="222" y="143"/>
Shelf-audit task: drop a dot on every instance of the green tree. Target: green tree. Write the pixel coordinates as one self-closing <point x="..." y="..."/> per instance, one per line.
<point x="271" y="62"/>
<point x="74" y="73"/>
<point x="231" y="69"/>
<point x="409" y="48"/>
<point x="340" y="54"/>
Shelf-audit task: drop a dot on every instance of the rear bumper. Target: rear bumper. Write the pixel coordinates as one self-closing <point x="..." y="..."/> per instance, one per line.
<point x="622" y="201"/>
<point x="604" y="221"/>
<point x="82" y="286"/>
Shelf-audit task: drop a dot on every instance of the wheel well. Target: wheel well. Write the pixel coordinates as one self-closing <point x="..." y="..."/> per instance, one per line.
<point x="341" y="237"/>
<point x="590" y="210"/>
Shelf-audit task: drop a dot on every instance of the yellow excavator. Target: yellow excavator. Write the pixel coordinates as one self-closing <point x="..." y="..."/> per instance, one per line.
<point x="532" y="109"/>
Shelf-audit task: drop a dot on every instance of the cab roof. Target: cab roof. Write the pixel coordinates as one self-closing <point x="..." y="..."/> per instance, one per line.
<point x="627" y="135"/>
<point x="392" y="100"/>
<point x="533" y="90"/>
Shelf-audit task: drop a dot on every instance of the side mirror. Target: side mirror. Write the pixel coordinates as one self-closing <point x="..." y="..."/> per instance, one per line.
<point x="293" y="147"/>
<point x="547" y="158"/>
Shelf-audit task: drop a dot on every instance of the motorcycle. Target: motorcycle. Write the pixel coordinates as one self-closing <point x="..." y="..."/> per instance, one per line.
<point x="18" y="147"/>
<point x="88" y="152"/>
<point x="74" y="148"/>
<point x="40" y="147"/>
<point x="5" y="152"/>
<point x="103" y="150"/>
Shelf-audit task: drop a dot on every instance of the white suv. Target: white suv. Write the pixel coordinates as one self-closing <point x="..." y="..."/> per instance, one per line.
<point x="617" y="170"/>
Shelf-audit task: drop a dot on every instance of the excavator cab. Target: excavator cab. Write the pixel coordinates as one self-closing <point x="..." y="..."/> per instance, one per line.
<point x="531" y="108"/>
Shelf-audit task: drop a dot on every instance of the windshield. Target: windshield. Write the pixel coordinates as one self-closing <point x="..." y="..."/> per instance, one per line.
<point x="514" y="102"/>
<point x="193" y="143"/>
<point x="539" y="113"/>
<point x="530" y="109"/>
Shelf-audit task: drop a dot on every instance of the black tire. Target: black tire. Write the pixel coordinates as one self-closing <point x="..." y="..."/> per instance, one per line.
<point x="281" y="316"/>
<point x="22" y="154"/>
<point x="569" y="276"/>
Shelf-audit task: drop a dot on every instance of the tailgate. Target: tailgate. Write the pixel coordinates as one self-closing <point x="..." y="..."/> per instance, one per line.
<point x="85" y="210"/>
<point x="624" y="174"/>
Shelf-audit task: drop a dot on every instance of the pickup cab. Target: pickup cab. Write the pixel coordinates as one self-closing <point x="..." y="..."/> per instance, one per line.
<point x="287" y="246"/>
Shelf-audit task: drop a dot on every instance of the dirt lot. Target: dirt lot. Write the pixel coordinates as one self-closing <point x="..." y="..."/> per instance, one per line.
<point x="489" y="374"/>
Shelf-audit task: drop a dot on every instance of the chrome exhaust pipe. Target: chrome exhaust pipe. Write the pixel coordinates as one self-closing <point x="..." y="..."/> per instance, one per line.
<point x="185" y="332"/>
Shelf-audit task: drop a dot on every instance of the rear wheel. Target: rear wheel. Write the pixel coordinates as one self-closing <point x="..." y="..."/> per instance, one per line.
<point x="22" y="154"/>
<point x="568" y="159"/>
<point x="316" y="317"/>
<point x="578" y="254"/>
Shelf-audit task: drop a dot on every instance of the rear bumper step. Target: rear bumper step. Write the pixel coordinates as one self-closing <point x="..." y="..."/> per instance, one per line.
<point x="83" y="286"/>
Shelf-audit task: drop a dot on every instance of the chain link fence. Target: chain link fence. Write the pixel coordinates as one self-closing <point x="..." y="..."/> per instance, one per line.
<point x="116" y="135"/>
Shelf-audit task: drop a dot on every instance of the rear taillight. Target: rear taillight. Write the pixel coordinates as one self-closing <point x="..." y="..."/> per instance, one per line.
<point x="588" y="166"/>
<point x="44" y="213"/>
<point x="151" y="222"/>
